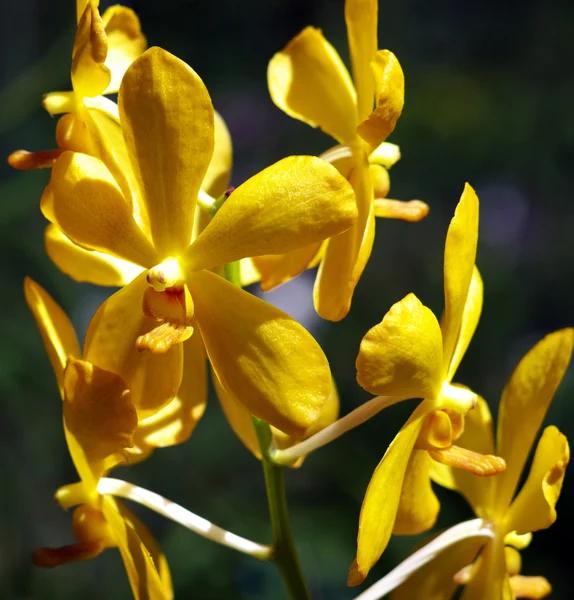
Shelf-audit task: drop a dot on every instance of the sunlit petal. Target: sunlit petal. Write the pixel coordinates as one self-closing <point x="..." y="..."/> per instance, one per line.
<point x="216" y="180"/>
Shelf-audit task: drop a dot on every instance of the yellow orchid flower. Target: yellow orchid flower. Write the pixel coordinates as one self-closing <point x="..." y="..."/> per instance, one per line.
<point x="167" y="123"/>
<point x="409" y="355"/>
<point x="511" y="516"/>
<point x="309" y="82"/>
<point x="99" y="422"/>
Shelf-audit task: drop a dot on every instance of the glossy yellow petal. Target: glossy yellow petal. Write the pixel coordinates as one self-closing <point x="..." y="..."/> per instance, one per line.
<point x="273" y="270"/>
<point x="435" y="581"/>
<point x="418" y="507"/>
<point x="346" y="254"/>
<point x="167" y="120"/>
<point x="87" y="265"/>
<point x="477" y="436"/>
<point x="125" y="42"/>
<point x="361" y="17"/>
<point x="248" y="273"/>
<point x="402" y="355"/>
<point x="146" y="567"/>
<point x="269" y="362"/>
<point x="459" y="257"/>
<point x="382" y="498"/>
<point x="524" y="404"/>
<point x="90" y="76"/>
<point x="298" y="201"/>
<point x="216" y="180"/>
<point x="99" y="418"/>
<point x="390" y="87"/>
<point x="469" y="322"/>
<point x="175" y="422"/>
<point x="533" y="588"/>
<point x="88" y="206"/>
<point x="153" y="379"/>
<point x="55" y="328"/>
<point x="309" y="82"/>
<point x="534" y="507"/>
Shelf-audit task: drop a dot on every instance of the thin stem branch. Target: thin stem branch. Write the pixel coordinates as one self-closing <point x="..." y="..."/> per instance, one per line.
<point x="392" y="580"/>
<point x="332" y="432"/>
<point x="285" y="556"/>
<point x="175" y="512"/>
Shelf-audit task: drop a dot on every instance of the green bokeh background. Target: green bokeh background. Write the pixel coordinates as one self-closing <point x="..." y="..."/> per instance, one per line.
<point x="489" y="100"/>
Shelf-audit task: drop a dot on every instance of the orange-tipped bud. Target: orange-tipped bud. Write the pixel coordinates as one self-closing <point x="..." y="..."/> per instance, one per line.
<point x="412" y="211"/>
<point x="53" y="557"/>
<point x="27" y="161"/>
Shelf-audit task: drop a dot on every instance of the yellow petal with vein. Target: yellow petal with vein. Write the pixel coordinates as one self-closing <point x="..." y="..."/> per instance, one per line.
<point x="402" y="355"/>
<point x="382" y="498"/>
<point x="125" y="42"/>
<point x="390" y="88"/>
<point x="298" y="201"/>
<point x="524" y="404"/>
<point x="361" y="17"/>
<point x="55" y="328"/>
<point x="87" y="265"/>
<point x="309" y="82"/>
<point x="146" y="567"/>
<point x="90" y="76"/>
<point x="216" y="180"/>
<point x="459" y="258"/>
<point x="418" y="506"/>
<point x="167" y="120"/>
<point x="534" y="507"/>
<point x="153" y="379"/>
<point x="99" y="418"/>
<point x="346" y="254"/>
<point x="269" y="362"/>
<point x="89" y="207"/>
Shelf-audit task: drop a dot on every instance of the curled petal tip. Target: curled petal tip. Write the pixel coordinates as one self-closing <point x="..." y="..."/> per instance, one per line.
<point x="355" y="576"/>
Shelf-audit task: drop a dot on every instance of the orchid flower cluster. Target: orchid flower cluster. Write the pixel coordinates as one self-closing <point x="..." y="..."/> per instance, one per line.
<point x="139" y="199"/>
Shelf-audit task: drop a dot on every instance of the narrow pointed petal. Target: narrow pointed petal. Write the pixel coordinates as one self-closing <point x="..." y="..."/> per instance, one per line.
<point x="361" y="17"/>
<point x="99" y="418"/>
<point x="298" y="201"/>
<point x="55" y="328"/>
<point x="89" y="207"/>
<point x="87" y="265"/>
<point x="524" y="404"/>
<point x="534" y="507"/>
<point x="346" y="254"/>
<point x="269" y="362"/>
<point x="478" y="436"/>
<point x="382" y="498"/>
<point x="167" y="120"/>
<point x="216" y="180"/>
<point x="459" y="258"/>
<point x="153" y="379"/>
<point x="390" y="88"/>
<point x="146" y="567"/>
<point x="402" y="355"/>
<point x="418" y="507"/>
<point x="125" y="42"/>
<point x="308" y="81"/>
<point x="175" y="422"/>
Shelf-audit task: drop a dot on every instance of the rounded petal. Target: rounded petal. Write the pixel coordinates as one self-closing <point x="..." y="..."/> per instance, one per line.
<point x="524" y="404"/>
<point x="125" y="42"/>
<point x="402" y="355"/>
<point x="418" y="507"/>
<point x="459" y="258"/>
<point x="55" y="328"/>
<point x="269" y="362"/>
<point x="87" y="265"/>
<point x="534" y="507"/>
<point x="390" y="87"/>
<point x="88" y="206"/>
<point x="298" y="201"/>
<point x="216" y="180"/>
<point x="153" y="379"/>
<point x="309" y="82"/>
<point x="361" y="17"/>
<point x="167" y="120"/>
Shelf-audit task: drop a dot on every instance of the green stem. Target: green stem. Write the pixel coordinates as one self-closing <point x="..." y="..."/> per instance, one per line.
<point x="285" y="556"/>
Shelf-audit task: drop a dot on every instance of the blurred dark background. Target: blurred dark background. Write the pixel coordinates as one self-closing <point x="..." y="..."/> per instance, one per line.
<point x="489" y="100"/>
